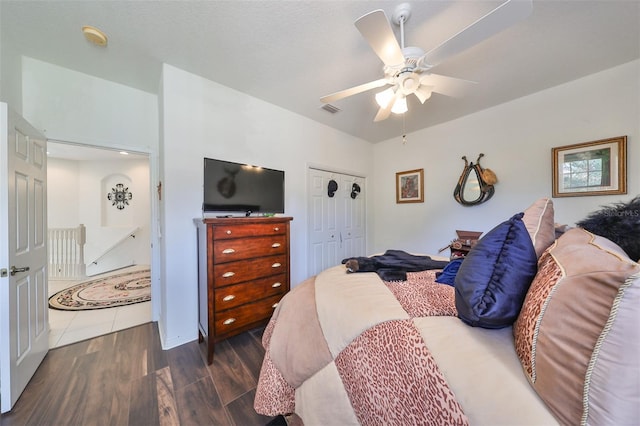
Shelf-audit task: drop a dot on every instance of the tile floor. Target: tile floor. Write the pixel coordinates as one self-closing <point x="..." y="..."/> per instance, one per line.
<point x="67" y="327"/>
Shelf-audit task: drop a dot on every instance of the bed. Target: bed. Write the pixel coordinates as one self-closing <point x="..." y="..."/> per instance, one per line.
<point x="351" y="348"/>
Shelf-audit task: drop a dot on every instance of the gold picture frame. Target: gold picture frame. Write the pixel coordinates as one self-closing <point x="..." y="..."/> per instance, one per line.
<point x="591" y="168"/>
<point x="410" y="186"/>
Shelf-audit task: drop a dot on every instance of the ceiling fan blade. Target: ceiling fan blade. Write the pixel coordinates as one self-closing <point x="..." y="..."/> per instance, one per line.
<point x="375" y="28"/>
<point x="383" y="112"/>
<point x="353" y="91"/>
<point x="449" y="86"/>
<point x="499" y="19"/>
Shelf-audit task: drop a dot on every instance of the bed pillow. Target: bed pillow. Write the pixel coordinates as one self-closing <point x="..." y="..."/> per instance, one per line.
<point x="539" y="221"/>
<point x="577" y="335"/>
<point x="619" y="223"/>
<point x="493" y="279"/>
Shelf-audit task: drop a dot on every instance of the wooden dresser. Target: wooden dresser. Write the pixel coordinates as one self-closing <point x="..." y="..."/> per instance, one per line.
<point x="243" y="272"/>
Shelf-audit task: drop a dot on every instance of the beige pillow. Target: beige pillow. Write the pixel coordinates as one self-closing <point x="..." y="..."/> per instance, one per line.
<point x="577" y="334"/>
<point x="539" y="221"/>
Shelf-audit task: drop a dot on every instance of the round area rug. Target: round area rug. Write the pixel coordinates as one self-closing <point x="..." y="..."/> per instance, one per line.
<point x="107" y="292"/>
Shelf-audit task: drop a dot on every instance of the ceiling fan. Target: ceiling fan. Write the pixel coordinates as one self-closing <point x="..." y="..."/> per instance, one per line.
<point x="406" y="69"/>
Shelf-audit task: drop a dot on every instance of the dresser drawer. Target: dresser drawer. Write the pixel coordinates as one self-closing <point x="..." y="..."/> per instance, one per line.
<point x="238" y="294"/>
<point x="232" y="319"/>
<point x="245" y="270"/>
<point x="221" y="232"/>
<point x="238" y="249"/>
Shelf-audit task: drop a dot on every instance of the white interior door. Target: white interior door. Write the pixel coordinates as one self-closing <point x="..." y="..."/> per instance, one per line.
<point x="336" y="224"/>
<point x="24" y="332"/>
<point x="352" y="231"/>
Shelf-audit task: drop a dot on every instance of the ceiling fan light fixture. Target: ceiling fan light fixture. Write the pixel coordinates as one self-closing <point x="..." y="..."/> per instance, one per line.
<point x="423" y="93"/>
<point x="400" y="106"/>
<point x="383" y="98"/>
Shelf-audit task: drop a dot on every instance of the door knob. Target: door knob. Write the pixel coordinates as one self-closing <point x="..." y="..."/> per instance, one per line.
<point x="15" y="270"/>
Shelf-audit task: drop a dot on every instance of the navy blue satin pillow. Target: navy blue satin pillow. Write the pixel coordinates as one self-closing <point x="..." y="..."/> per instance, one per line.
<point x="494" y="277"/>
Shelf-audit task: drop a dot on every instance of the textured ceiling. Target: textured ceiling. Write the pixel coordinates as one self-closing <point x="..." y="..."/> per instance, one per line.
<point x="290" y="53"/>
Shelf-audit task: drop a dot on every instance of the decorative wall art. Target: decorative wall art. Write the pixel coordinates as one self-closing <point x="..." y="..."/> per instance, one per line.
<point x="119" y="196"/>
<point x="410" y="186"/>
<point x="591" y="168"/>
<point x="475" y="185"/>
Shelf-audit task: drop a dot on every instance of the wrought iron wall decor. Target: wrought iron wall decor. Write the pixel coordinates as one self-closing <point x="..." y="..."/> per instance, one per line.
<point x="119" y="196"/>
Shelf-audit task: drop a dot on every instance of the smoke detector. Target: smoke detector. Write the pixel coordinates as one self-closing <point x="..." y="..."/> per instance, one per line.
<point x="94" y="35"/>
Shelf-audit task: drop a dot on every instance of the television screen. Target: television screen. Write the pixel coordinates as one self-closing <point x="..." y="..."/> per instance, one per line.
<point x="235" y="187"/>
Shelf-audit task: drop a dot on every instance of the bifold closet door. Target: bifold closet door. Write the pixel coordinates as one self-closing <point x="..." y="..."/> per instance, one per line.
<point x="336" y="223"/>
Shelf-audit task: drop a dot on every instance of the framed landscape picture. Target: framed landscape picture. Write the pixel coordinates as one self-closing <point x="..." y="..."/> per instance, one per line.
<point x="591" y="168"/>
<point x="410" y="186"/>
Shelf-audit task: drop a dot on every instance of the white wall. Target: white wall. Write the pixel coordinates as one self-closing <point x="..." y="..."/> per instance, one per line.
<point x="201" y="118"/>
<point x="62" y="193"/>
<point x="516" y="138"/>
<point x="74" y="107"/>
<point x="10" y="75"/>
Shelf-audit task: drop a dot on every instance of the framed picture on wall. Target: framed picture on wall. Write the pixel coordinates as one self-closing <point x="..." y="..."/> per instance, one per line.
<point x="591" y="168"/>
<point x="410" y="186"/>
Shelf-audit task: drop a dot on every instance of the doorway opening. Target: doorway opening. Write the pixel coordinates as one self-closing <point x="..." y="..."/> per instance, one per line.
<point x="102" y="198"/>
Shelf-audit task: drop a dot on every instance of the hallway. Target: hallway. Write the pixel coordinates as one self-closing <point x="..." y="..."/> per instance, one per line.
<point x="66" y="327"/>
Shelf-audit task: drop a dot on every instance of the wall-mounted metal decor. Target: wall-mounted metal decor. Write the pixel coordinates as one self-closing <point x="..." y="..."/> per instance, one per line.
<point x="475" y="185"/>
<point x="119" y="196"/>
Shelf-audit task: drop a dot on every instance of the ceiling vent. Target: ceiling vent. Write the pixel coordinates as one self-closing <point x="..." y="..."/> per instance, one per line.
<point x="330" y="108"/>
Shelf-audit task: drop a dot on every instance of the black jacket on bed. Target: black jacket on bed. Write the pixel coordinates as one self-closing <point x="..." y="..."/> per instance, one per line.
<point x="393" y="265"/>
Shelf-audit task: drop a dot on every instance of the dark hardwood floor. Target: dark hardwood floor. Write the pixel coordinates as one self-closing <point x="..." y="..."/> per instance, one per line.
<point x="125" y="378"/>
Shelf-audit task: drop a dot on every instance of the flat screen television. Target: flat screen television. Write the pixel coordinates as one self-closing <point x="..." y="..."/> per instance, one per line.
<point x="241" y="188"/>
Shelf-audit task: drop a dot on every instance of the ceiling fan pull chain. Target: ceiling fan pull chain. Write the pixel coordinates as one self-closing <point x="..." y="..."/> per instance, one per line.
<point x="404" y="132"/>
<point x="402" y="32"/>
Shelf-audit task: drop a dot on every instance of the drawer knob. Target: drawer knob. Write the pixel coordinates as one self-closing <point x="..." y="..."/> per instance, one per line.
<point x="228" y="232"/>
<point x="228" y="274"/>
<point x="276" y="285"/>
<point x="228" y="251"/>
<point x="229" y="321"/>
<point x="228" y="298"/>
<point x="274" y="305"/>
<point x="276" y="245"/>
<point x="276" y="265"/>
<point x="276" y="229"/>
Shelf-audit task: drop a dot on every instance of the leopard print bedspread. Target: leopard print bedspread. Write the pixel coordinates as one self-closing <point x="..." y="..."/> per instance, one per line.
<point x="392" y="379"/>
<point x="421" y="296"/>
<point x="387" y="371"/>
